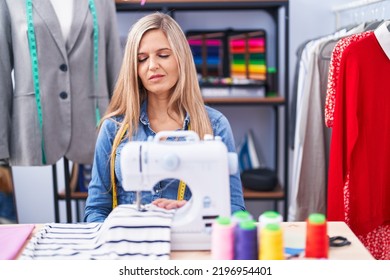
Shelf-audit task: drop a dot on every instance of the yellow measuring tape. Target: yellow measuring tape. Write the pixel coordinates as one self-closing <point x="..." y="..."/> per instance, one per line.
<point x="181" y="190"/>
<point x="182" y="186"/>
<point x="115" y="145"/>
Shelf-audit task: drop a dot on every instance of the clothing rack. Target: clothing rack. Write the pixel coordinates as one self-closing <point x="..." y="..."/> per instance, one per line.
<point x="354" y="5"/>
<point x="361" y="11"/>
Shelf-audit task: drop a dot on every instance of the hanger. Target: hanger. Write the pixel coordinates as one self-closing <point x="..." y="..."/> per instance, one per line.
<point x="369" y="26"/>
<point x="327" y="48"/>
<point x="324" y="52"/>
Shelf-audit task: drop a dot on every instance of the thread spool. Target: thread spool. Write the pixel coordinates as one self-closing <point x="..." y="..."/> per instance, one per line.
<point x="237" y="218"/>
<point x="222" y="239"/>
<point x="317" y="243"/>
<point x="240" y="216"/>
<point x="272" y="83"/>
<point x="271" y="245"/>
<point x="245" y="238"/>
<point x="270" y="217"/>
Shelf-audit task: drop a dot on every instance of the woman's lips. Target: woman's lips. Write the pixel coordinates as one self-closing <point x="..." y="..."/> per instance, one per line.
<point x="154" y="77"/>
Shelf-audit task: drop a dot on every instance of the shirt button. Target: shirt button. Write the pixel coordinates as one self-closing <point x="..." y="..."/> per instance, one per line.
<point x="63" y="67"/>
<point x="63" y="95"/>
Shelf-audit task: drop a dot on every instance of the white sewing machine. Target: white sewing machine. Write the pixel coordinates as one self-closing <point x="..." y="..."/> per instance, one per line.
<point x="204" y="165"/>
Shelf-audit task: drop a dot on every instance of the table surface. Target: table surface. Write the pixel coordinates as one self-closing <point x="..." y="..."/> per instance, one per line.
<point x="294" y="237"/>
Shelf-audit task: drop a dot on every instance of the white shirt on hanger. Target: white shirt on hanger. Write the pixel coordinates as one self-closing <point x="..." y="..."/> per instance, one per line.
<point x="383" y="36"/>
<point x="64" y="11"/>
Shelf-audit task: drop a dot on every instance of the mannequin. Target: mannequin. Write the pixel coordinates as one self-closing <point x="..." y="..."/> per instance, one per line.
<point x="39" y="125"/>
<point x="70" y="93"/>
<point x="64" y="11"/>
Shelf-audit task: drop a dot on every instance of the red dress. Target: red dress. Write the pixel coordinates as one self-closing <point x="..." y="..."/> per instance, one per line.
<point x="358" y="109"/>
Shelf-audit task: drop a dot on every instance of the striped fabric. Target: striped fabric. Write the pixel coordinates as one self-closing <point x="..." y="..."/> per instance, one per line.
<point x="125" y="234"/>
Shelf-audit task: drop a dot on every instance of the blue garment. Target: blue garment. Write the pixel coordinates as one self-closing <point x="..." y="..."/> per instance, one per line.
<point x="99" y="201"/>
<point x="7" y="207"/>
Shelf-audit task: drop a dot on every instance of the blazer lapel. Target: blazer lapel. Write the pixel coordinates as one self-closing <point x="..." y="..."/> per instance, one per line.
<point x="80" y="11"/>
<point x="45" y="10"/>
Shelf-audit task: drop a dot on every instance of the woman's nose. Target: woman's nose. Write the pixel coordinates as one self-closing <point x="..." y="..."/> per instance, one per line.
<point x="153" y="64"/>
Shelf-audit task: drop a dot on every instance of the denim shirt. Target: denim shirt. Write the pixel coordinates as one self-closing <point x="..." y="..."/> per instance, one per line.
<point x="99" y="201"/>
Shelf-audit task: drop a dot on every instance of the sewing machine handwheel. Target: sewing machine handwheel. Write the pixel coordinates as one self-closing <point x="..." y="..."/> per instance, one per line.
<point x="170" y="161"/>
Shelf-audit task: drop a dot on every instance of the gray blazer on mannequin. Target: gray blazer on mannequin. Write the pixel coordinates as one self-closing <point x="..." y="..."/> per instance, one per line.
<point x="66" y="72"/>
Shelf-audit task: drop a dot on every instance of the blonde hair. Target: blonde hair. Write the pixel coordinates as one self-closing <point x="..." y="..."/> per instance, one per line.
<point x="129" y="92"/>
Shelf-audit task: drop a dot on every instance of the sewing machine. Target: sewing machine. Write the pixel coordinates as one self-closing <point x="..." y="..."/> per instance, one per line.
<point x="204" y="165"/>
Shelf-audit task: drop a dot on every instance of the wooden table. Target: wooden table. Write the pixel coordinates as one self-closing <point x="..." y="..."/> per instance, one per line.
<point x="294" y="237"/>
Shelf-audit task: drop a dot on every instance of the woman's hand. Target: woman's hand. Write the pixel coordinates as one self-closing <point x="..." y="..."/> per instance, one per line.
<point x="169" y="203"/>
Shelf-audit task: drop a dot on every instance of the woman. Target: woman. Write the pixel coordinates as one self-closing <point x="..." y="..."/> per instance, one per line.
<point x="157" y="90"/>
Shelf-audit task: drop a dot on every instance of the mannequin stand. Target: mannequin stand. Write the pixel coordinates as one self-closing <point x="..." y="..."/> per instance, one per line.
<point x="68" y="197"/>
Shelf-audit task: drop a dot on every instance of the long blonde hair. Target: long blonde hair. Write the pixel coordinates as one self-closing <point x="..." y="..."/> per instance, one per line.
<point x="129" y="92"/>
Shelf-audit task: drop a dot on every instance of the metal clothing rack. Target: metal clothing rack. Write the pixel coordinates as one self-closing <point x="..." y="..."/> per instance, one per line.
<point x="358" y="12"/>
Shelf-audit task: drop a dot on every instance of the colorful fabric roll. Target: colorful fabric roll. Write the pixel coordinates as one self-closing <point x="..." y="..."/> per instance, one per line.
<point x="207" y="55"/>
<point x="247" y="57"/>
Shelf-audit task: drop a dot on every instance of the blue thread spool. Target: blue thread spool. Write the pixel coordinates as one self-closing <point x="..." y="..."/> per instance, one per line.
<point x="246" y="247"/>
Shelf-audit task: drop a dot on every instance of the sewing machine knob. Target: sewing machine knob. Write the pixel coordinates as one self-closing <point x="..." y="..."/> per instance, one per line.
<point x="170" y="161"/>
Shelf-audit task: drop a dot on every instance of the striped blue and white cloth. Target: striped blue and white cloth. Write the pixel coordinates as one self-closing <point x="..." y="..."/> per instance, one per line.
<point x="126" y="234"/>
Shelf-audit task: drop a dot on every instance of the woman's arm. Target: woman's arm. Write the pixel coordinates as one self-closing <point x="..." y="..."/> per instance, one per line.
<point x="222" y="128"/>
<point x="99" y="202"/>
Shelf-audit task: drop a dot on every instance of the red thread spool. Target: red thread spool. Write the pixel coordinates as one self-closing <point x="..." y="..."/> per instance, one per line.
<point x="317" y="242"/>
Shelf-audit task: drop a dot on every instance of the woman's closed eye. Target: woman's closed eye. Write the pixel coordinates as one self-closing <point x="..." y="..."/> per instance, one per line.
<point x="164" y="55"/>
<point x="142" y="59"/>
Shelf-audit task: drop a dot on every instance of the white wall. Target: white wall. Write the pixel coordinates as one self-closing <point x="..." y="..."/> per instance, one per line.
<point x="34" y="194"/>
<point x="310" y="19"/>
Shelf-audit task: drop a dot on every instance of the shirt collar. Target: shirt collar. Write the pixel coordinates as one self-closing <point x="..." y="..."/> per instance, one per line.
<point x="186" y="121"/>
<point x="144" y="113"/>
<point x="382" y="34"/>
<point x="145" y="119"/>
